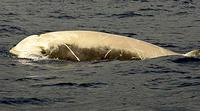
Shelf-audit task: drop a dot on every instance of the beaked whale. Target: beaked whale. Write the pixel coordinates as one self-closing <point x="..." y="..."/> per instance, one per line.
<point x="89" y="45"/>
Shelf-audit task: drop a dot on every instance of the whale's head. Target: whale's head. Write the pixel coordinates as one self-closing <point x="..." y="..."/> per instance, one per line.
<point x="31" y="47"/>
<point x="41" y="47"/>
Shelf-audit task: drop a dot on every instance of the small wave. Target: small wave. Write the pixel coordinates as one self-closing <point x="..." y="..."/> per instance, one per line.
<point x="181" y="13"/>
<point x="185" y="1"/>
<point x="62" y="17"/>
<point x="186" y="60"/>
<point x="37" y="78"/>
<point x="191" y="78"/>
<point x="172" y="108"/>
<point x="188" y="84"/>
<point x="164" y="71"/>
<point x="10" y="14"/>
<point x="141" y="0"/>
<point x="69" y="84"/>
<point x="158" y="69"/>
<point x="21" y="101"/>
<point x="159" y="83"/>
<point x="128" y="14"/>
<point x="126" y="73"/>
<point x="4" y="52"/>
<point x="11" y="29"/>
<point x="165" y="45"/>
<point x="34" y="101"/>
<point x="169" y="83"/>
<point x="129" y="34"/>
<point x="152" y="9"/>
<point x="99" y="14"/>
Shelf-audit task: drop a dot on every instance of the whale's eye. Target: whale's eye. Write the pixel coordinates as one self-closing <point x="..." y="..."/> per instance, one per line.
<point x="43" y="52"/>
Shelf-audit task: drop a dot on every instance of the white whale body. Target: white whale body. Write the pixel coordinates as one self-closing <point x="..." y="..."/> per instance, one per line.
<point x="89" y="45"/>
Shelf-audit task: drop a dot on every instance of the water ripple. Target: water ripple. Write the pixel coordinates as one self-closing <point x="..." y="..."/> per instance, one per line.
<point x="34" y="100"/>
<point x="141" y="0"/>
<point x="11" y="29"/>
<point x="165" y="45"/>
<point x="153" y="9"/>
<point x="188" y="84"/>
<point x="186" y="60"/>
<point x="159" y="70"/>
<point x="191" y="78"/>
<point x="181" y="13"/>
<point x="128" y="14"/>
<point x="36" y="78"/>
<point x="4" y="50"/>
<point x="62" y="17"/>
<point x="128" y="34"/>
<point x="69" y="84"/>
<point x="15" y="101"/>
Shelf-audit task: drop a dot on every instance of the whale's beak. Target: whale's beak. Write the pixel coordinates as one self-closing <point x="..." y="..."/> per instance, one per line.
<point x="13" y="51"/>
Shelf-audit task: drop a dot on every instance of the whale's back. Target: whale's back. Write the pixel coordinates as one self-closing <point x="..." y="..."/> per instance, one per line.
<point x="91" y="39"/>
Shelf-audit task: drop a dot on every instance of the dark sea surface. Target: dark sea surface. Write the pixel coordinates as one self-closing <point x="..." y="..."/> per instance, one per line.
<point x="162" y="84"/>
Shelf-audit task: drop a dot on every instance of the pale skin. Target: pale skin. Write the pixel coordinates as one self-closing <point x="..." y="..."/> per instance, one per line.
<point x="87" y="45"/>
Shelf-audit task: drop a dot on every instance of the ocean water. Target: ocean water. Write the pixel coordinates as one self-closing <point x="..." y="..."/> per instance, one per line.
<point x="162" y="84"/>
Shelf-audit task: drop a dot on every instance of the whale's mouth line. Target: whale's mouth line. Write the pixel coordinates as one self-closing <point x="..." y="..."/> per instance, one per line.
<point x="15" y="52"/>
